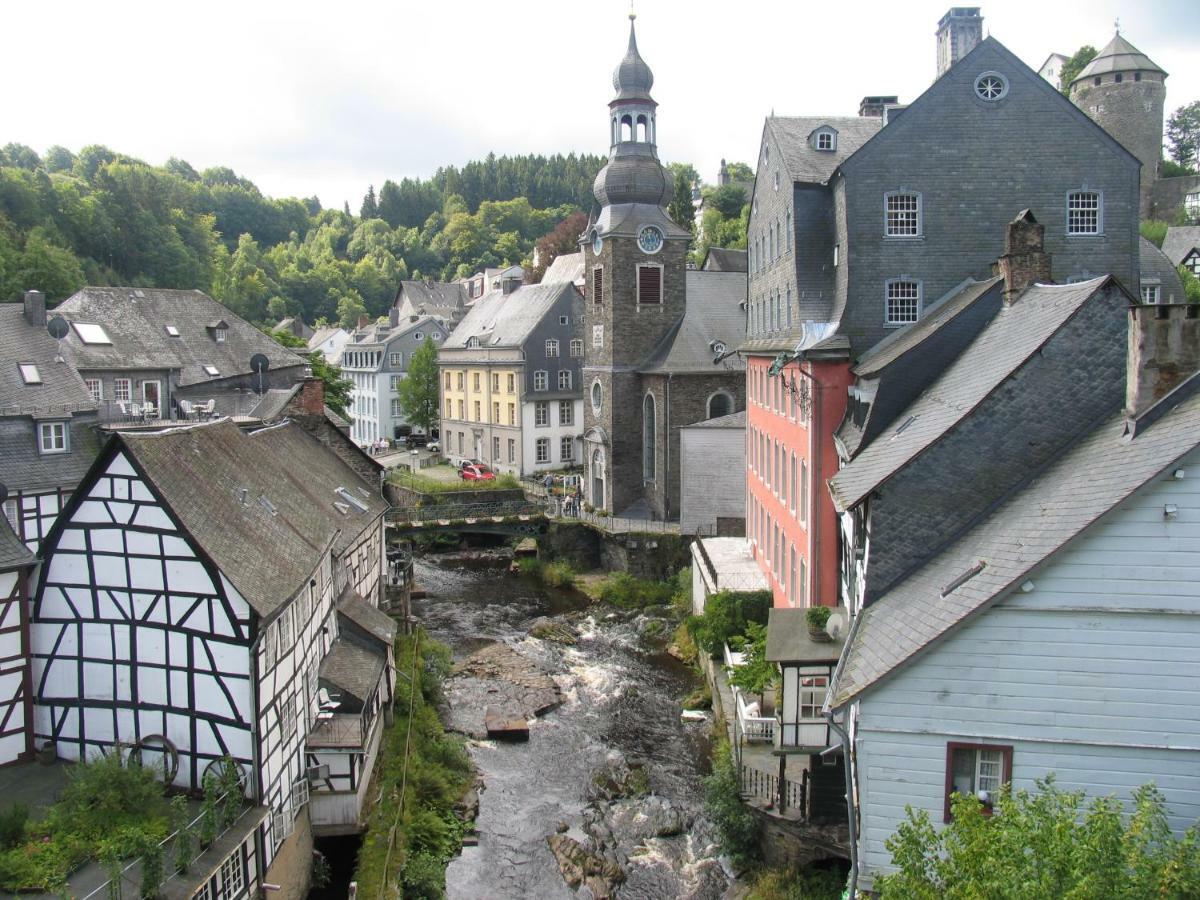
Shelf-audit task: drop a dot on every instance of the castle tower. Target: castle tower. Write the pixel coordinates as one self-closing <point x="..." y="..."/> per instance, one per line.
<point x="635" y="263"/>
<point x="959" y="31"/>
<point x="1123" y="92"/>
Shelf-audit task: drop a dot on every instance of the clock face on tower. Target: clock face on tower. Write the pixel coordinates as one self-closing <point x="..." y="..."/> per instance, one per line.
<point x="650" y="239"/>
<point x="597" y="242"/>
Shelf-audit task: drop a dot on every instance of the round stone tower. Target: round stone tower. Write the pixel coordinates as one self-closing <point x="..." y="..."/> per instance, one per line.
<point x="1123" y="92"/>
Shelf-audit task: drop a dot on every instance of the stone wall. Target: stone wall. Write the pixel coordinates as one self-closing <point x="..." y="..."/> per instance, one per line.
<point x="656" y="557"/>
<point x="573" y="543"/>
<point x="291" y="868"/>
<point x="1166" y="200"/>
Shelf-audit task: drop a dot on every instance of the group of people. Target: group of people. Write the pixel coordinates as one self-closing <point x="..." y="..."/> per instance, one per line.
<point x="379" y="447"/>
<point x="572" y="500"/>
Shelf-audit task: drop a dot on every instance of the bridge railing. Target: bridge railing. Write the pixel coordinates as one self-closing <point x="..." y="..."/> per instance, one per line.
<point x="453" y="512"/>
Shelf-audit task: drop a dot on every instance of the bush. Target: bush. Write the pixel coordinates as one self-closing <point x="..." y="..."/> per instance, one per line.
<point x="797" y="884"/>
<point x="1045" y="844"/>
<point x="735" y="823"/>
<point x="756" y="674"/>
<point x="104" y="794"/>
<point x="424" y="877"/>
<point x="817" y="616"/>
<point x="624" y="590"/>
<point x="1154" y="231"/>
<point x="558" y="574"/>
<point x="725" y="615"/>
<point x="12" y="825"/>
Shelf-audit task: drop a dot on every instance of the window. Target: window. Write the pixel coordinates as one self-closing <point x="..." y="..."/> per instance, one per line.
<point x="472" y="343"/>
<point x="512" y="450"/>
<point x="776" y="181"/>
<point x="649" y="438"/>
<point x="462" y="380"/>
<point x="496" y="449"/>
<point x="803" y="491"/>
<point x="287" y="715"/>
<point x="512" y="382"/>
<point x="1193" y="264"/>
<point x="447" y="381"/>
<point x="460" y="410"/>
<point x="564" y="379"/>
<point x="788" y="230"/>
<point x="52" y="437"/>
<point x="449" y="410"/>
<point x="542" y="448"/>
<point x="496" y="411"/>
<point x="397" y="409"/>
<point x="825" y="140"/>
<point x="1083" y="212"/>
<point x="478" y="417"/>
<point x="417" y="336"/>
<point x="902" y="214"/>
<point x="475" y="381"/>
<point x="566" y="412"/>
<point x="211" y="371"/>
<point x="811" y="696"/>
<point x="719" y="404"/>
<point x="551" y="348"/>
<point x="30" y="373"/>
<point x="496" y="381"/>
<point x="541" y="413"/>
<point x="576" y="347"/>
<point x="95" y="387"/>
<point x="978" y="769"/>
<point x="220" y="334"/>
<point x="991" y="86"/>
<point x="1191" y="206"/>
<point x="233" y="877"/>
<point x="541" y="380"/>
<point x="396" y="359"/>
<point x="512" y="414"/>
<point x="1151" y="293"/>
<point x="597" y="336"/>
<point x="597" y="396"/>
<point x="566" y="449"/>
<point x="903" y="302"/>
<point x="837" y="252"/>
<point x="564" y="320"/>
<point x="649" y="284"/>
<point x="598" y="284"/>
<point x="172" y="331"/>
<point x="122" y="389"/>
<point x="91" y="334"/>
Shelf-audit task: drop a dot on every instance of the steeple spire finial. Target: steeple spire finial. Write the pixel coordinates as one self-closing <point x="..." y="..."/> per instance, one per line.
<point x="1116" y="22"/>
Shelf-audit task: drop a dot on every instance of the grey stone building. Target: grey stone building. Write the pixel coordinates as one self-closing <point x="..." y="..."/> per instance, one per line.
<point x="652" y="328"/>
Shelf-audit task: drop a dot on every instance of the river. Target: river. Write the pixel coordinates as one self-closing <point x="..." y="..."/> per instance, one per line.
<point x="621" y="700"/>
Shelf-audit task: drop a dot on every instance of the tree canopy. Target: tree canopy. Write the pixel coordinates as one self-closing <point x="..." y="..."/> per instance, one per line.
<point x="1183" y="134"/>
<point x="1073" y="66"/>
<point x="418" y="391"/>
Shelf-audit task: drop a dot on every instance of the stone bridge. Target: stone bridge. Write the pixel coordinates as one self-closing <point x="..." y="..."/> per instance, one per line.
<point x="518" y="517"/>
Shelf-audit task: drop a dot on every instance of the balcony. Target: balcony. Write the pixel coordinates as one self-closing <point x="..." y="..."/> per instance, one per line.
<point x="753" y="723"/>
<point x="338" y="731"/>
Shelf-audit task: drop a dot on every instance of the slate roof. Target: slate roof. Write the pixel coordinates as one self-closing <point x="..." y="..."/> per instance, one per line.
<point x="321" y="335"/>
<point x="61" y="389"/>
<point x="788" y="639"/>
<point x="932" y="319"/>
<point x="1090" y="479"/>
<point x="1118" y="56"/>
<point x="201" y="470"/>
<point x="801" y="161"/>
<point x="352" y="669"/>
<point x="733" y="420"/>
<point x="506" y="320"/>
<point x="136" y="320"/>
<point x="1015" y="334"/>
<point x="374" y="622"/>
<point x="13" y="553"/>
<point x="566" y="267"/>
<point x="713" y="314"/>
<point x="724" y="259"/>
<point x="432" y="298"/>
<point x="1154" y="267"/>
<point x="1180" y="241"/>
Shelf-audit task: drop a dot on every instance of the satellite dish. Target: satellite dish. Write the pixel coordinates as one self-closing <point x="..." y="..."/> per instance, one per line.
<point x="835" y="627"/>
<point x="259" y="364"/>
<point x="58" y="328"/>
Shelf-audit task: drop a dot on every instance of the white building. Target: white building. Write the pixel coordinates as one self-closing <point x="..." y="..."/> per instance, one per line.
<point x="712" y="494"/>
<point x="329" y="340"/>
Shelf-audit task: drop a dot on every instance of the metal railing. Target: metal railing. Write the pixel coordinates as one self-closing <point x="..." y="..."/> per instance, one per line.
<point x="785" y="793"/>
<point x="455" y="512"/>
<point x="339" y="730"/>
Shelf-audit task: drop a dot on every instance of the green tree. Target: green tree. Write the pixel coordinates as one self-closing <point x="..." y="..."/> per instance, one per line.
<point x="681" y="209"/>
<point x="739" y="171"/>
<point x="58" y="159"/>
<point x="46" y="267"/>
<point x="1045" y="843"/>
<point x="369" y="208"/>
<point x="563" y="239"/>
<point x="418" y="391"/>
<point x="1073" y="66"/>
<point x="337" y="387"/>
<point x="1183" y="134"/>
<point x="350" y="308"/>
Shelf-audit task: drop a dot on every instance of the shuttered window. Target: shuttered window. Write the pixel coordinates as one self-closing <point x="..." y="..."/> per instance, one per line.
<point x="649" y="284"/>
<point x="598" y="285"/>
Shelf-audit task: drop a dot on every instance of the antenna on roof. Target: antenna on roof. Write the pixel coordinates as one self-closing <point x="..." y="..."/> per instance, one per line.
<point x="58" y="329"/>
<point x="259" y="364"/>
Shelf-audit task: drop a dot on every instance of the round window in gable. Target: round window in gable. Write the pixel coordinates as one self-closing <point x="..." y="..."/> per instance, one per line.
<point x="991" y="86"/>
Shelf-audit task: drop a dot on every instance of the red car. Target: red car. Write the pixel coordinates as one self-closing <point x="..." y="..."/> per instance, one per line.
<point x="476" y="472"/>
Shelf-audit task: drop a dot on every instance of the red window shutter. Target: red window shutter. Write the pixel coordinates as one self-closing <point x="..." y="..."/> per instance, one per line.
<point x="649" y="284"/>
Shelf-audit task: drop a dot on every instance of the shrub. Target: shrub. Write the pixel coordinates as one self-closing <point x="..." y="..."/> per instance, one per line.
<point x="624" y="590"/>
<point x="151" y="854"/>
<point x="184" y="845"/>
<point x="756" y="674"/>
<point x="725" y="615"/>
<point x="424" y="877"/>
<point x="1154" y="231"/>
<point x="817" y="616"/>
<point x="558" y="574"/>
<point x="797" y="884"/>
<point x="735" y="823"/>
<point x="106" y="793"/>
<point x="12" y="825"/>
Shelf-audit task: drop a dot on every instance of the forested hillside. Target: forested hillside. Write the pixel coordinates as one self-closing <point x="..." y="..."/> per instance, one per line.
<point x="103" y="218"/>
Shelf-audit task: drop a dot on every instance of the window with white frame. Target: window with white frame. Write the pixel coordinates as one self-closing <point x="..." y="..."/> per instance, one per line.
<point x="541" y="380"/>
<point x="496" y="449"/>
<point x="542" y="449"/>
<point x="564" y="379"/>
<point x="902" y="214"/>
<point x="220" y="334"/>
<point x="541" y="413"/>
<point x="397" y="409"/>
<point x="52" y="437"/>
<point x="564" y="320"/>
<point x="418" y="336"/>
<point x="512" y="383"/>
<point x="512" y="450"/>
<point x="396" y="359"/>
<point x="566" y="412"/>
<point x="977" y="770"/>
<point x="576" y="347"/>
<point x="597" y="336"/>
<point x="233" y="876"/>
<point x="1191" y="206"/>
<point x="1083" y="212"/>
<point x="1192" y="263"/>
<point x="1151" y="293"/>
<point x="95" y="387"/>
<point x="811" y="695"/>
<point x="395" y="382"/>
<point x="825" y="140"/>
<point x="649" y="285"/>
<point x="566" y="449"/>
<point x="903" y="302"/>
<point x="552" y="348"/>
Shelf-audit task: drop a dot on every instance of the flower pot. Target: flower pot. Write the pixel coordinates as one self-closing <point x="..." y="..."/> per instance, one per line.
<point x="820" y="635"/>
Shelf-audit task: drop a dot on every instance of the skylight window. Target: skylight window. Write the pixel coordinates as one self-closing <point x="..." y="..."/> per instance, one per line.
<point x="351" y="499"/>
<point x="211" y="370"/>
<point x="172" y="331"/>
<point x="91" y="334"/>
<point x="30" y="373"/>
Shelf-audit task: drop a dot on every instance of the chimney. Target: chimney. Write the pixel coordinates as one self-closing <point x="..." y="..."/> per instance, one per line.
<point x="311" y="399"/>
<point x="1025" y="260"/>
<point x="1164" y="349"/>
<point x="393" y="317"/>
<point x="35" y="308"/>
<point x="364" y="322"/>
<point x="872" y="107"/>
<point x="958" y="33"/>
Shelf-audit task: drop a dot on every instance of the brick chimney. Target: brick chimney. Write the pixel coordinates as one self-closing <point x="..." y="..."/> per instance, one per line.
<point x="1025" y="261"/>
<point x="364" y="322"/>
<point x="873" y="107"/>
<point x="1164" y="349"/>
<point x="35" y="308"/>
<point x="394" y="316"/>
<point x="311" y="399"/>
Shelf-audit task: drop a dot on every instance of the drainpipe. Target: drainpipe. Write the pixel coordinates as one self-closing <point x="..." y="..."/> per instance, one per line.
<point x="848" y="753"/>
<point x="816" y="569"/>
<point x="667" y="431"/>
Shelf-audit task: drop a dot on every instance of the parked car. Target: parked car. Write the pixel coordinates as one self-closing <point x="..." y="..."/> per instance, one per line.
<point x="416" y="440"/>
<point x="476" y="472"/>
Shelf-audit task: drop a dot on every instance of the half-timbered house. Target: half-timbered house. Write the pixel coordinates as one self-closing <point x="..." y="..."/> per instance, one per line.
<point x="16" y="563"/>
<point x="200" y="591"/>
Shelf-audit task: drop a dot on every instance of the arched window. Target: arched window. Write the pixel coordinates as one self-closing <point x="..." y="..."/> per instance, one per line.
<point x="719" y="404"/>
<point x="649" y="431"/>
<point x="642" y="130"/>
<point x="627" y="128"/>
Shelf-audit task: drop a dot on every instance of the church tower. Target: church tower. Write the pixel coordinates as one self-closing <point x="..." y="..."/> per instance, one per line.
<point x="1123" y="92"/>
<point x="635" y="261"/>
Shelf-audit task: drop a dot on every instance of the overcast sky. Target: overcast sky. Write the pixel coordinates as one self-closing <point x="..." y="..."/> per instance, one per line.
<point x="324" y="98"/>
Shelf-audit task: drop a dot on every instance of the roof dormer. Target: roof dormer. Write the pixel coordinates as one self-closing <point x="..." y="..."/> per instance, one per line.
<point x="823" y="138"/>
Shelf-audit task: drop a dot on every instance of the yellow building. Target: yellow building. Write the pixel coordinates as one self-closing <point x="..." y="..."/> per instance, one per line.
<point x="481" y="412"/>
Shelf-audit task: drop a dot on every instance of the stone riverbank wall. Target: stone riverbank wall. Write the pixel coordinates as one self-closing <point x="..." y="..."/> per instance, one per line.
<point x="656" y="557"/>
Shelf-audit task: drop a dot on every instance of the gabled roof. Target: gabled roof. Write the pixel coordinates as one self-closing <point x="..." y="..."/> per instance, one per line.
<point x="1180" y="241"/>
<point x="1154" y="267"/>
<point x="324" y="333"/>
<point x="507" y="320"/>
<point x="733" y="421"/>
<point x="1118" y="56"/>
<point x="352" y="669"/>
<point x="432" y="298"/>
<point x="804" y="163"/>
<point x="13" y="554"/>
<point x="136" y="321"/>
<point x="61" y="388"/>
<point x="567" y="267"/>
<point x="374" y="623"/>
<point x="1092" y="478"/>
<point x="724" y="259"/>
<point x="1016" y="333"/>
<point x="713" y="314"/>
<point x="269" y="545"/>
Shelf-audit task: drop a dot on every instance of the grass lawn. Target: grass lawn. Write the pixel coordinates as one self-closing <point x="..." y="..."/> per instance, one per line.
<point x="444" y="478"/>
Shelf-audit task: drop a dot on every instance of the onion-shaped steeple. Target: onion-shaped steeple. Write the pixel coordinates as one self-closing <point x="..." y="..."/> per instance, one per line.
<point x="633" y="79"/>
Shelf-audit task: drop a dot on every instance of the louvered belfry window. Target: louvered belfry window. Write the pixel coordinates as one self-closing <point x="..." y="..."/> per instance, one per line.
<point x="598" y="285"/>
<point x="649" y="284"/>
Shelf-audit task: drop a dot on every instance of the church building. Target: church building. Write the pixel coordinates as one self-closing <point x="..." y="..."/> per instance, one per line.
<point x="656" y="333"/>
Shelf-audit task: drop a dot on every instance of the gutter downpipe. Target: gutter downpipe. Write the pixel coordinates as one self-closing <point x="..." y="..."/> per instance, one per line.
<point x="851" y="811"/>
<point x="667" y="453"/>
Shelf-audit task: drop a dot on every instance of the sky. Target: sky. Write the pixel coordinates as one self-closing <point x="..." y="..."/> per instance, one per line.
<point x="325" y="98"/>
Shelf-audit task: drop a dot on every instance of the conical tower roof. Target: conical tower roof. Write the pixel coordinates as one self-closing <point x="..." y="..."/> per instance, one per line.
<point x="1118" y="56"/>
<point x="633" y="79"/>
